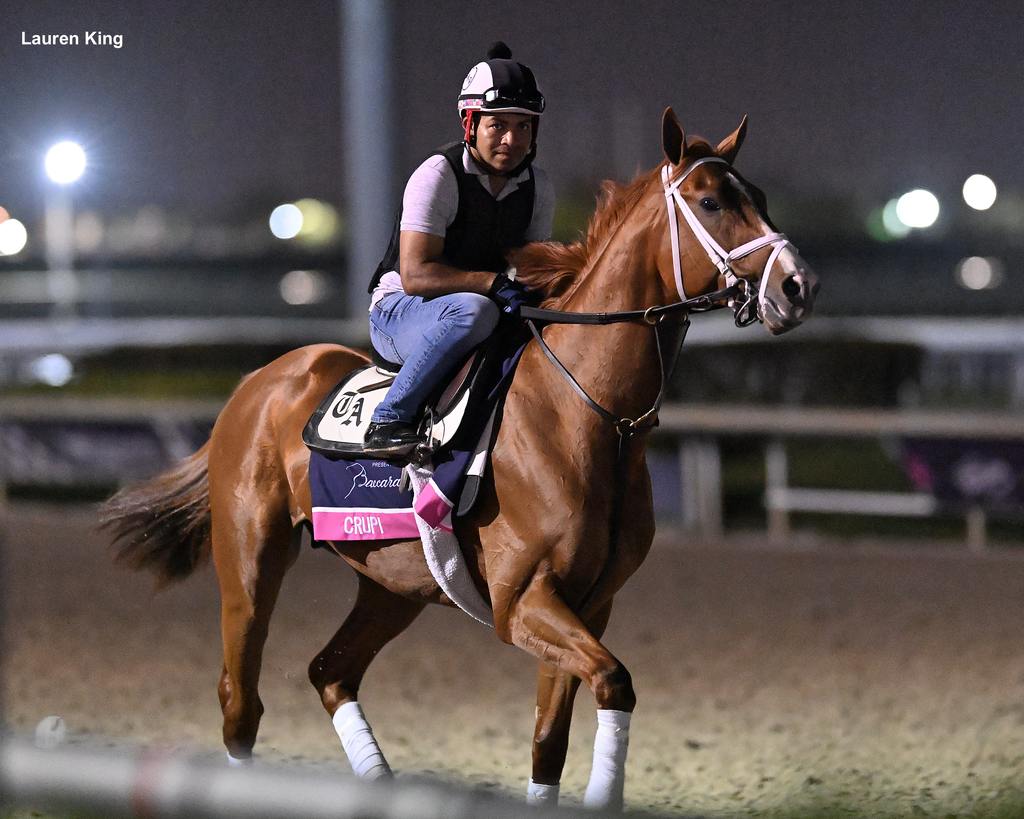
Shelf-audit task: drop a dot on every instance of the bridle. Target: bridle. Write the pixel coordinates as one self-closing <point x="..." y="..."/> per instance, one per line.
<point x="751" y="308"/>
<point x="746" y="298"/>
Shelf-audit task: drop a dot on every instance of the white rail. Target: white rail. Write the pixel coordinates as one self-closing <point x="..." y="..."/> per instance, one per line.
<point x="696" y="427"/>
<point x="699" y="426"/>
<point x="157" y="784"/>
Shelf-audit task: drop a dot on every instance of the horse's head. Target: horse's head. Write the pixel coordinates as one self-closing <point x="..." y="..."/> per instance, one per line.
<point x="725" y="236"/>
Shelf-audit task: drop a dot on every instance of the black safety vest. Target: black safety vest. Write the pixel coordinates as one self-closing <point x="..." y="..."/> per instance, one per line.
<point x="484" y="228"/>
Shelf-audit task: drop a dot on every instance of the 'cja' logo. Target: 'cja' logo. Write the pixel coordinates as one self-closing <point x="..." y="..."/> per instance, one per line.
<point x="348" y="410"/>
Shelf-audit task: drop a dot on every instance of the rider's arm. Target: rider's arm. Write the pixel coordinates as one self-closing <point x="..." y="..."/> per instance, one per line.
<point x="429" y="207"/>
<point x="425" y="274"/>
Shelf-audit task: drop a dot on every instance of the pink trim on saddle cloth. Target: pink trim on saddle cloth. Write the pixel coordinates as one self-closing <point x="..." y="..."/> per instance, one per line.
<point x="333" y="523"/>
<point x="434" y="508"/>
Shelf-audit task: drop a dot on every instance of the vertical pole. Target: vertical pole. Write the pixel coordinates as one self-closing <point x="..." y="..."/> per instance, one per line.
<point x="688" y="488"/>
<point x="976" y="529"/>
<point x="711" y="489"/>
<point x="4" y="460"/>
<point x="367" y="115"/>
<point x="700" y="466"/>
<point x="776" y="468"/>
<point x="61" y="284"/>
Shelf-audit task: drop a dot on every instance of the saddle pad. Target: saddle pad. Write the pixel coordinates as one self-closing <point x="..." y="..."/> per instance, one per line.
<point x="339" y="424"/>
<point x="445" y="559"/>
<point x="359" y="500"/>
<point x="363" y="499"/>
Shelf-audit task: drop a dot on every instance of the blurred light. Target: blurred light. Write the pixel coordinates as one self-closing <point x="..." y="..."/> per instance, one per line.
<point x="13" y="237"/>
<point x="918" y="208"/>
<point x="63" y="285"/>
<point x="88" y="232"/>
<point x="286" y="221"/>
<point x="979" y="273"/>
<point x="979" y="191"/>
<point x="65" y="162"/>
<point x="303" y="287"/>
<point x="4" y="215"/>
<point x="892" y="223"/>
<point x="320" y="221"/>
<point x="150" y="227"/>
<point x="54" y="369"/>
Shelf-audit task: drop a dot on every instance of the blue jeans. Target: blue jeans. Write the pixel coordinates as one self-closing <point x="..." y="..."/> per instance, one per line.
<point x="428" y="337"/>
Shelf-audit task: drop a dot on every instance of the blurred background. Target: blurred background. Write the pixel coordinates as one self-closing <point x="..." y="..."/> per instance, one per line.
<point x="195" y="188"/>
<point x="206" y="187"/>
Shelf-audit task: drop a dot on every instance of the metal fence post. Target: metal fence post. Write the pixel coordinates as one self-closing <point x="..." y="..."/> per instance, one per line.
<point x="776" y="473"/>
<point x="977" y="539"/>
<point x="700" y="480"/>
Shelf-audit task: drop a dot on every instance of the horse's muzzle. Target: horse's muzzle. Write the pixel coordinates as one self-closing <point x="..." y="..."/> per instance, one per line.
<point x="792" y="303"/>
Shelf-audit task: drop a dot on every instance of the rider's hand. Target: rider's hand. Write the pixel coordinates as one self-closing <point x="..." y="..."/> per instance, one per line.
<point x="509" y="294"/>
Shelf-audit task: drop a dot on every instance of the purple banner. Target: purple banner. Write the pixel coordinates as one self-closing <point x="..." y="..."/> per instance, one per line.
<point x="965" y="472"/>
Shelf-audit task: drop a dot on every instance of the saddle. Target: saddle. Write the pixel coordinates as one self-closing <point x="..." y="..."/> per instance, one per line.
<point x="337" y="427"/>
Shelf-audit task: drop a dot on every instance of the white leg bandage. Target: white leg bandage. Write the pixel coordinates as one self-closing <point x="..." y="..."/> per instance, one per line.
<point x="357" y="739"/>
<point x="608" y="774"/>
<point x="235" y="762"/>
<point x="537" y="794"/>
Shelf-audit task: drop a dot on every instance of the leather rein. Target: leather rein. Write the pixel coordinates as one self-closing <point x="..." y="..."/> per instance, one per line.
<point x="652" y="317"/>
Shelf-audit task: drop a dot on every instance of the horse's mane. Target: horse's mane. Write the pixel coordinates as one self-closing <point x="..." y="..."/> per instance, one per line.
<point x="552" y="267"/>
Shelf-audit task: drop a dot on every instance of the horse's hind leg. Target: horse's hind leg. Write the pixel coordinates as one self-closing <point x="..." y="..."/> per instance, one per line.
<point x="556" y="691"/>
<point x="377" y="617"/>
<point x="252" y="549"/>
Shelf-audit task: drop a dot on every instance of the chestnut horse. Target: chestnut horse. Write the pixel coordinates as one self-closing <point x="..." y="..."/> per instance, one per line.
<point x="550" y="578"/>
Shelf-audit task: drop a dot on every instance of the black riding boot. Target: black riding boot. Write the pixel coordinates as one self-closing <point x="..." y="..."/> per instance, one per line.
<point x="391" y="438"/>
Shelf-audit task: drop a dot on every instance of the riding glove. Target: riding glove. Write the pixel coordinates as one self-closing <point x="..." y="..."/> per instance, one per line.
<point x="509" y="294"/>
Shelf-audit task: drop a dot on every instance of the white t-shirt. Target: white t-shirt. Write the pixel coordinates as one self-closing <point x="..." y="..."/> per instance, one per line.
<point x="431" y="202"/>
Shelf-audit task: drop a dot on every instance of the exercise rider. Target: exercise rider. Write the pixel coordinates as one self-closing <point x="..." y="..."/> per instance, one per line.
<point x="440" y="288"/>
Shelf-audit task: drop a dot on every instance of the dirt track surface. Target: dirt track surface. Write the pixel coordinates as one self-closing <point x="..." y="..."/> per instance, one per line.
<point x="859" y="682"/>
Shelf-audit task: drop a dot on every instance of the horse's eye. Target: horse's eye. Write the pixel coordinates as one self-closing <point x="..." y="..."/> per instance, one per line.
<point x="709" y="204"/>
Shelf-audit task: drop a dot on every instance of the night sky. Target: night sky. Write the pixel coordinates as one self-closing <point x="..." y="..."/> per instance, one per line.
<point x="212" y="106"/>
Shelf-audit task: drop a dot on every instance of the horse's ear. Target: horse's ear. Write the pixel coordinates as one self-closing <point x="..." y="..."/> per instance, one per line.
<point x="673" y="138"/>
<point x="730" y="146"/>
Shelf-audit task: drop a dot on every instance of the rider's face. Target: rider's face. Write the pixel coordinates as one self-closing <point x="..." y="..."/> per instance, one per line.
<point x="503" y="140"/>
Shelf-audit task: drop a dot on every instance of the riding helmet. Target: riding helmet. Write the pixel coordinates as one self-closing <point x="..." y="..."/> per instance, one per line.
<point x="499" y="84"/>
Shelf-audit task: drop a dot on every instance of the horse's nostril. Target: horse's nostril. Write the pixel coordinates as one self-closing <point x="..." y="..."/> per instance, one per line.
<point x="791" y="287"/>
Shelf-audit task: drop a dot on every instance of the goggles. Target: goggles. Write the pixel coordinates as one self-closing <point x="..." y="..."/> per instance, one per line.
<point x="498" y="98"/>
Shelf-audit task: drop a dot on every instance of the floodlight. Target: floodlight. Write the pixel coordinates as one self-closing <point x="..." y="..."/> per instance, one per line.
<point x="918" y="208"/>
<point x="65" y="162"/>
<point x="979" y="191"/>
<point x="286" y="221"/>
<point x="13" y="237"/>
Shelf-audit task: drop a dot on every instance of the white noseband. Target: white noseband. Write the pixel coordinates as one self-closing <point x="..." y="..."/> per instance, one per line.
<point x="721" y="258"/>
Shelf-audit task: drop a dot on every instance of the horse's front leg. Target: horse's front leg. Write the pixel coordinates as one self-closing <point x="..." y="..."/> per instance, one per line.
<point x="556" y="691"/>
<point x="540" y="622"/>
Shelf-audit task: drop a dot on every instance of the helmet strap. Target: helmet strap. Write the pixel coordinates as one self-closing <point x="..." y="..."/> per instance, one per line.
<point x="470" y="120"/>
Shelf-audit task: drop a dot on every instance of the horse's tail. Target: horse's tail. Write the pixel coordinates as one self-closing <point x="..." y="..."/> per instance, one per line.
<point x="163" y="524"/>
